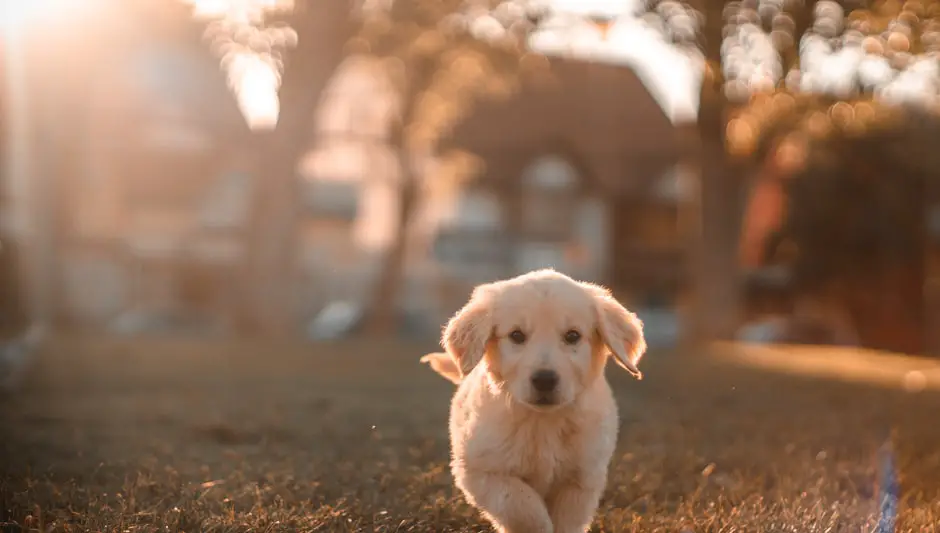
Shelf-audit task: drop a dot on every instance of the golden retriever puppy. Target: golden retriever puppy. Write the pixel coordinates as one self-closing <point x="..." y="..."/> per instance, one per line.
<point x="533" y="424"/>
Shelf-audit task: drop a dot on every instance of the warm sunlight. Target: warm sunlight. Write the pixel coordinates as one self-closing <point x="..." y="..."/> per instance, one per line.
<point x="238" y="10"/>
<point x="255" y="83"/>
<point x="17" y="14"/>
<point x="421" y="298"/>
<point x="846" y="364"/>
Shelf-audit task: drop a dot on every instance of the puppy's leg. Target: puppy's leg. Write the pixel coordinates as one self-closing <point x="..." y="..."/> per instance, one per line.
<point x="508" y="502"/>
<point x="572" y="507"/>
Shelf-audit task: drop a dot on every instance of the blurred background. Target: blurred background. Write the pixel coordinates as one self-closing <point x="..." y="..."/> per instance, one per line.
<point x="328" y="168"/>
<point x="259" y="165"/>
<point x="318" y="167"/>
<point x="323" y="171"/>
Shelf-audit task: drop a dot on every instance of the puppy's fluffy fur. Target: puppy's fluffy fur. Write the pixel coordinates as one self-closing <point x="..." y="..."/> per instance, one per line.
<point x="533" y="424"/>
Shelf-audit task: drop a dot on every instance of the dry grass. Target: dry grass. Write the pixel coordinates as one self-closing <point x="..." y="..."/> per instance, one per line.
<point x="189" y="436"/>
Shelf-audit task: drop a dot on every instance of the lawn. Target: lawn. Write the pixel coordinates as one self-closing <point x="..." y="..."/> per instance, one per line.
<point x="161" y="435"/>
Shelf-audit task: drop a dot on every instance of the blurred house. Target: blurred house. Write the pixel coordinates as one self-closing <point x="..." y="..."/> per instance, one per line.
<point x="580" y="175"/>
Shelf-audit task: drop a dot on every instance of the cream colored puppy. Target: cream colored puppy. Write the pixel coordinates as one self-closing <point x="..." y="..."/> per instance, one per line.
<point x="533" y="424"/>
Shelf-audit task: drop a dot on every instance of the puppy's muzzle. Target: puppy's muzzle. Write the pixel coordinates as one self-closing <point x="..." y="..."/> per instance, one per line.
<point x="544" y="384"/>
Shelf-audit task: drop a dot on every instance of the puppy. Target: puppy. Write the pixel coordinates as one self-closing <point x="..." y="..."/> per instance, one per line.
<point x="533" y="424"/>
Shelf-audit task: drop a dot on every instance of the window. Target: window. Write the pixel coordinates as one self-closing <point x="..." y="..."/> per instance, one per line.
<point x="332" y="199"/>
<point x="549" y="198"/>
<point x="471" y="242"/>
<point x="477" y="210"/>
<point x="675" y="185"/>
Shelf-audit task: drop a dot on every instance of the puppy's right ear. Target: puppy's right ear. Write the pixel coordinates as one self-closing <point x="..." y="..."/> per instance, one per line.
<point x="467" y="333"/>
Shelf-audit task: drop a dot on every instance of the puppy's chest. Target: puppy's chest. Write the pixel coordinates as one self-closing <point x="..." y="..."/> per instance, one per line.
<point x="541" y="452"/>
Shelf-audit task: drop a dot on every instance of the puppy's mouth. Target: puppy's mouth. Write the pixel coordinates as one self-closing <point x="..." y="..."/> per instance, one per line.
<point x="544" y="401"/>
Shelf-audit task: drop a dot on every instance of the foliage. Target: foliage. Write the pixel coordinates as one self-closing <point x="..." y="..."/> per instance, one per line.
<point x="839" y="102"/>
<point x="855" y="198"/>
<point x="443" y="56"/>
<point x="887" y="50"/>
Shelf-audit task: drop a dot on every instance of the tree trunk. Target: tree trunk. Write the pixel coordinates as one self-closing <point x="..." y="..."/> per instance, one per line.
<point x="708" y="221"/>
<point x="324" y="27"/>
<point x="384" y="312"/>
<point x="381" y="318"/>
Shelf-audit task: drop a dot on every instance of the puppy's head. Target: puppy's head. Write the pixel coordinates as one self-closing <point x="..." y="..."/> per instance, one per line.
<point x="544" y="336"/>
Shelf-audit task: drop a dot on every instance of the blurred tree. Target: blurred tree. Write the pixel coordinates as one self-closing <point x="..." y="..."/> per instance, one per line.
<point x="323" y="28"/>
<point x="832" y="107"/>
<point x="851" y="225"/>
<point x="302" y="44"/>
<point x="442" y="56"/>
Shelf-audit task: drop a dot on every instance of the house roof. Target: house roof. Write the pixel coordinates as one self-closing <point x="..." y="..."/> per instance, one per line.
<point x="595" y="111"/>
<point x="671" y="72"/>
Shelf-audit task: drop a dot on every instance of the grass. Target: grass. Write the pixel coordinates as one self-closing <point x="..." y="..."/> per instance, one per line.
<point x="160" y="435"/>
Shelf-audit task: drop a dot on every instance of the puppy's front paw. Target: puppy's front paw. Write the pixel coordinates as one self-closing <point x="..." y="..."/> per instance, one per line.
<point x="572" y="508"/>
<point x="507" y="502"/>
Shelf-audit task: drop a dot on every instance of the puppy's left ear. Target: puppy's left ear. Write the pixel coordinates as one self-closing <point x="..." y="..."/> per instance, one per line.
<point x="620" y="330"/>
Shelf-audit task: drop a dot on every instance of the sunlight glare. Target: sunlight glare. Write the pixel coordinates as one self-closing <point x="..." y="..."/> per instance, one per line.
<point x="255" y="83"/>
<point x="244" y="11"/>
<point x="17" y="14"/>
<point x="846" y="364"/>
<point x="671" y="74"/>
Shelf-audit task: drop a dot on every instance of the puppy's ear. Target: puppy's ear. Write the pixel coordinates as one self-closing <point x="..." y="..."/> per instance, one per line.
<point x="620" y="330"/>
<point x="467" y="333"/>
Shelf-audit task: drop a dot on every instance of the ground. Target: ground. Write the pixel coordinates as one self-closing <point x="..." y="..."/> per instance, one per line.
<point x="148" y="435"/>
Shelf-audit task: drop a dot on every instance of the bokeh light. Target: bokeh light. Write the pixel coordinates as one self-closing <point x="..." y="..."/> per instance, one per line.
<point x="888" y="51"/>
<point x="250" y="51"/>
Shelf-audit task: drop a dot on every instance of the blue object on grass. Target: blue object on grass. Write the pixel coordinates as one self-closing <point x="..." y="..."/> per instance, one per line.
<point x="888" y="491"/>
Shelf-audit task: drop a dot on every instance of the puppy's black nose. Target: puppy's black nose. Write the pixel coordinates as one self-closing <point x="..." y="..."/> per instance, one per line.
<point x="545" y="380"/>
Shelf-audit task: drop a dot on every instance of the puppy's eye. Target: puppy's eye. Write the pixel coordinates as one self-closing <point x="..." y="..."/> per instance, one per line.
<point x="517" y="336"/>
<point x="572" y="336"/>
